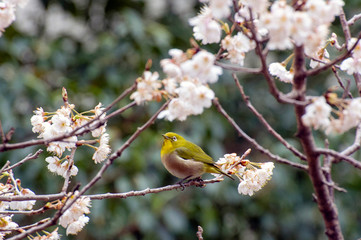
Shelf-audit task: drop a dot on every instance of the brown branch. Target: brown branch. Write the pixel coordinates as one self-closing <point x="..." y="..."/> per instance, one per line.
<point x="265" y="123"/>
<point x="119" y="152"/>
<point x="324" y="200"/>
<point x="241" y="133"/>
<point x="356" y="144"/>
<point x="340" y="156"/>
<point x="354" y="19"/>
<point x="76" y="132"/>
<point x="152" y="190"/>
<point x="68" y="171"/>
<point x="279" y="96"/>
<point x="29" y="213"/>
<point x="46" y="197"/>
<point x="327" y="167"/>
<point x="20" y="229"/>
<point x="326" y="66"/>
<point x="27" y="158"/>
<point x="346" y="90"/>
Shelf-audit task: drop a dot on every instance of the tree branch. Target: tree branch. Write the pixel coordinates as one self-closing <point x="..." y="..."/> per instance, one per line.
<point x="241" y="133"/>
<point x="76" y="132"/>
<point x="152" y="190"/>
<point x="324" y="200"/>
<point x="340" y="156"/>
<point x="265" y="123"/>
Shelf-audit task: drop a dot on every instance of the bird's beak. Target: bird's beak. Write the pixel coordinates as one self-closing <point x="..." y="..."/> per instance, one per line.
<point x="165" y="137"/>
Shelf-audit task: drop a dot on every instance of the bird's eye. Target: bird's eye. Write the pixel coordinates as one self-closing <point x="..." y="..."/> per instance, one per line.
<point x="174" y="139"/>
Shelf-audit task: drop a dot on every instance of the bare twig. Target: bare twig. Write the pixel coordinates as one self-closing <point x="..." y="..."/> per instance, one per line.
<point x="151" y="190"/>
<point x="95" y="123"/>
<point x="46" y="197"/>
<point x="20" y="229"/>
<point x="340" y="156"/>
<point x="27" y="158"/>
<point x="98" y="176"/>
<point x="29" y="213"/>
<point x="6" y="165"/>
<point x="119" y="152"/>
<point x="120" y="110"/>
<point x="327" y="167"/>
<point x="264" y="121"/>
<point x="356" y="144"/>
<point x="253" y="141"/>
<point x="354" y="19"/>
<point x="346" y="90"/>
<point x="68" y="171"/>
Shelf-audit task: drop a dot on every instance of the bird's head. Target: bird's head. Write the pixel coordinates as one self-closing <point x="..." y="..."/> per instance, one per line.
<point x="172" y="140"/>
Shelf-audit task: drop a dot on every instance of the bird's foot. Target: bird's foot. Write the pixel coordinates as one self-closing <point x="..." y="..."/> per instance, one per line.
<point x="199" y="182"/>
<point x="183" y="181"/>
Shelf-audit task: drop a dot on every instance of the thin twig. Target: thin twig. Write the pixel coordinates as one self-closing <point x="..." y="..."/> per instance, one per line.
<point x="20" y="229"/>
<point x="327" y="167"/>
<point x="95" y="123"/>
<point x="346" y="90"/>
<point x="354" y="19"/>
<point x="119" y="152"/>
<point x="340" y="156"/>
<point x="98" y="176"/>
<point x="27" y="158"/>
<point x="68" y="171"/>
<point x="29" y="213"/>
<point x="265" y="123"/>
<point x="356" y="144"/>
<point x="276" y="158"/>
<point x="151" y="190"/>
<point x="45" y="197"/>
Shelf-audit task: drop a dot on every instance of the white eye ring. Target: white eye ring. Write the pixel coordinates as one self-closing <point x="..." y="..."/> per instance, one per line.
<point x="174" y="138"/>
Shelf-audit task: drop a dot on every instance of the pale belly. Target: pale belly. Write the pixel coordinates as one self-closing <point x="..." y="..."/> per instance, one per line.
<point x="182" y="168"/>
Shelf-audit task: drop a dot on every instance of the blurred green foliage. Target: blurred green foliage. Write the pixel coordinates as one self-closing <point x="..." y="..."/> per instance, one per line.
<point x="101" y="58"/>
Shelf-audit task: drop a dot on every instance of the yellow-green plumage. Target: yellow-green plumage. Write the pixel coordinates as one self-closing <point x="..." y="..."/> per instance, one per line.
<point x="185" y="159"/>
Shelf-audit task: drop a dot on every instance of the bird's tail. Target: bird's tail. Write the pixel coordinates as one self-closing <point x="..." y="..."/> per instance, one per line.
<point x="213" y="168"/>
<point x="226" y="174"/>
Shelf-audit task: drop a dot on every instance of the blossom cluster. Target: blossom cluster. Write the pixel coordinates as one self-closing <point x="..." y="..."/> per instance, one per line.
<point x="74" y="218"/>
<point x="253" y="176"/>
<point x="353" y="64"/>
<point x="281" y="25"/>
<point x="66" y="120"/>
<point x="347" y="114"/>
<point x="7" y="12"/>
<point x="186" y="84"/>
<point x="12" y="188"/>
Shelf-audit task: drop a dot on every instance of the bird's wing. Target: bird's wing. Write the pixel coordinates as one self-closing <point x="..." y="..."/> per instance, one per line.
<point x="194" y="153"/>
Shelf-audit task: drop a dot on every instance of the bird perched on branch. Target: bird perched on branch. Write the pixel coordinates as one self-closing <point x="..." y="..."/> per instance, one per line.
<point x="185" y="159"/>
